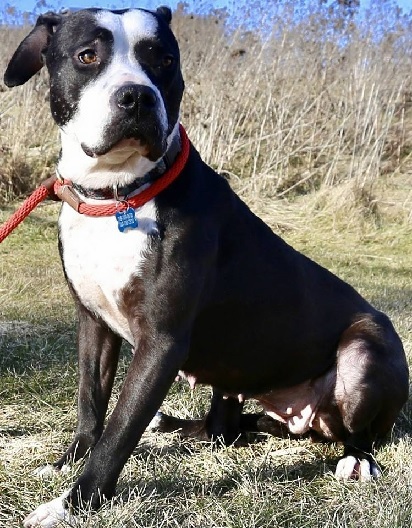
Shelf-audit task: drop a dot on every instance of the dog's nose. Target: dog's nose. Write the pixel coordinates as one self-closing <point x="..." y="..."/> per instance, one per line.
<point x="135" y="98"/>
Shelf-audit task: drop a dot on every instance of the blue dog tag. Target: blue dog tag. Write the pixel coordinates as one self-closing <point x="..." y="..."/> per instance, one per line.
<point x="126" y="220"/>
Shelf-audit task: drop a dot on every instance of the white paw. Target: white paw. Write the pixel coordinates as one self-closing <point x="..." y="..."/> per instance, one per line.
<point x="49" y="470"/>
<point x="44" y="471"/>
<point x="350" y="467"/>
<point x="48" y="515"/>
<point x="156" y="421"/>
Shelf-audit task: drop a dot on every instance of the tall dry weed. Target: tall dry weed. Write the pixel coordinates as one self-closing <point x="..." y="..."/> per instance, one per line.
<point x="309" y="97"/>
<point x="28" y="139"/>
<point x="311" y="103"/>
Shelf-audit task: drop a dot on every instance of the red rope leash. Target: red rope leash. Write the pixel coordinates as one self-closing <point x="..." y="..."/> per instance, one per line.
<point x="53" y="188"/>
<point x="30" y="203"/>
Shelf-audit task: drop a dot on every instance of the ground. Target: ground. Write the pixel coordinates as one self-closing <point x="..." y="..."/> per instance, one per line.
<point x="169" y="482"/>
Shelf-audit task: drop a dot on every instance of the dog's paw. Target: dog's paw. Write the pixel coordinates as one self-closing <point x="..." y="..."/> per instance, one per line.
<point x="50" y="470"/>
<point x="352" y="468"/>
<point x="49" y="515"/>
<point x="156" y="422"/>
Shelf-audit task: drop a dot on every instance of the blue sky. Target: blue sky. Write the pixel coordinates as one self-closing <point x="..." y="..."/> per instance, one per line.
<point x="35" y="5"/>
<point x="30" y="5"/>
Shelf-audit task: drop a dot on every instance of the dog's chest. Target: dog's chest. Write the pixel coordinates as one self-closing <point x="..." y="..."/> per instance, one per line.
<point x="99" y="260"/>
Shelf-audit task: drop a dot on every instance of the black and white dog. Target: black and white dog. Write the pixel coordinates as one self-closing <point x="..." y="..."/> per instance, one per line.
<point x="198" y="284"/>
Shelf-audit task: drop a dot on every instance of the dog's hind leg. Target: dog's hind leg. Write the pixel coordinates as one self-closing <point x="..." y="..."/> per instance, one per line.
<point x="249" y="424"/>
<point x="222" y="423"/>
<point x="164" y="423"/>
<point x="371" y="387"/>
<point x="223" y="419"/>
<point x="262" y="423"/>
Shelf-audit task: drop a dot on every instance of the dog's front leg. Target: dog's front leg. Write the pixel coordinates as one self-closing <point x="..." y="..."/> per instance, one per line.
<point x="150" y="375"/>
<point x="98" y="351"/>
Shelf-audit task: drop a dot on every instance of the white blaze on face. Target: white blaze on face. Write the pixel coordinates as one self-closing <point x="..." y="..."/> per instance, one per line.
<point x="94" y="115"/>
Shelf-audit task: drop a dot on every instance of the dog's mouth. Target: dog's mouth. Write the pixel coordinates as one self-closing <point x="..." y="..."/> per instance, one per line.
<point x="123" y="148"/>
<point x="126" y="147"/>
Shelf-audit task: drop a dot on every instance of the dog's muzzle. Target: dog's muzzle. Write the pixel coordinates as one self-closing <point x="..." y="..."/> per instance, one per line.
<point x="135" y="123"/>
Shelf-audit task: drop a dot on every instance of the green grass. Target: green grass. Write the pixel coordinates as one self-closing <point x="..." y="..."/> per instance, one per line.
<point x="169" y="482"/>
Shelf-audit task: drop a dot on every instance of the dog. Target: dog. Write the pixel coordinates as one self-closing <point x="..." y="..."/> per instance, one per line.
<point x="192" y="279"/>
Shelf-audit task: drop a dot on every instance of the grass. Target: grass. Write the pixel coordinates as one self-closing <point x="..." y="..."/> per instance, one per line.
<point x="308" y="99"/>
<point x="313" y="126"/>
<point x="169" y="482"/>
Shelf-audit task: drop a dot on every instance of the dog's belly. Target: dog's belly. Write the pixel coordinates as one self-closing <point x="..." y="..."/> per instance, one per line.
<point x="99" y="260"/>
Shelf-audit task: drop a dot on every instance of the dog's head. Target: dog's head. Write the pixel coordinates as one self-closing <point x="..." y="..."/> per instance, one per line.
<point x="115" y="88"/>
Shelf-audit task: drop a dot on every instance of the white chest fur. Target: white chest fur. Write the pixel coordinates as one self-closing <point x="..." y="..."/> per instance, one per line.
<point x="100" y="260"/>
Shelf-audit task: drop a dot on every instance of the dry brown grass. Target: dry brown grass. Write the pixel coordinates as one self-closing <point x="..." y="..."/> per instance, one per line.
<point x="300" y="105"/>
<point x="298" y="110"/>
<point x="28" y="139"/>
<point x="169" y="483"/>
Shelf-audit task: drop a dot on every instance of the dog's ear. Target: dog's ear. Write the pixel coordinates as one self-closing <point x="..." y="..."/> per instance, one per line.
<point x="165" y="12"/>
<point x="28" y="57"/>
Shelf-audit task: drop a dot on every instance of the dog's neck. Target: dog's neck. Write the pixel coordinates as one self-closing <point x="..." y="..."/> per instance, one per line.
<point x="125" y="172"/>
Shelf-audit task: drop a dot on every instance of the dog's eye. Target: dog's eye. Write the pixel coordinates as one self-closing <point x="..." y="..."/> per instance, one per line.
<point x="87" y="56"/>
<point x="167" y="61"/>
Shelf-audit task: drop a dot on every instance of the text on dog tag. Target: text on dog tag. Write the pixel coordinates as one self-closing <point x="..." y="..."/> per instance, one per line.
<point x="126" y="220"/>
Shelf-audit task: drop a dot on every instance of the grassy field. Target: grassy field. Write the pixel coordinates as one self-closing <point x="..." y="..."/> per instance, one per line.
<point x="167" y="482"/>
<point x="318" y="141"/>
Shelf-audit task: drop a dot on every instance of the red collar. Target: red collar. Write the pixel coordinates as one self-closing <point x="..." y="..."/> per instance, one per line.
<point x="64" y="190"/>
